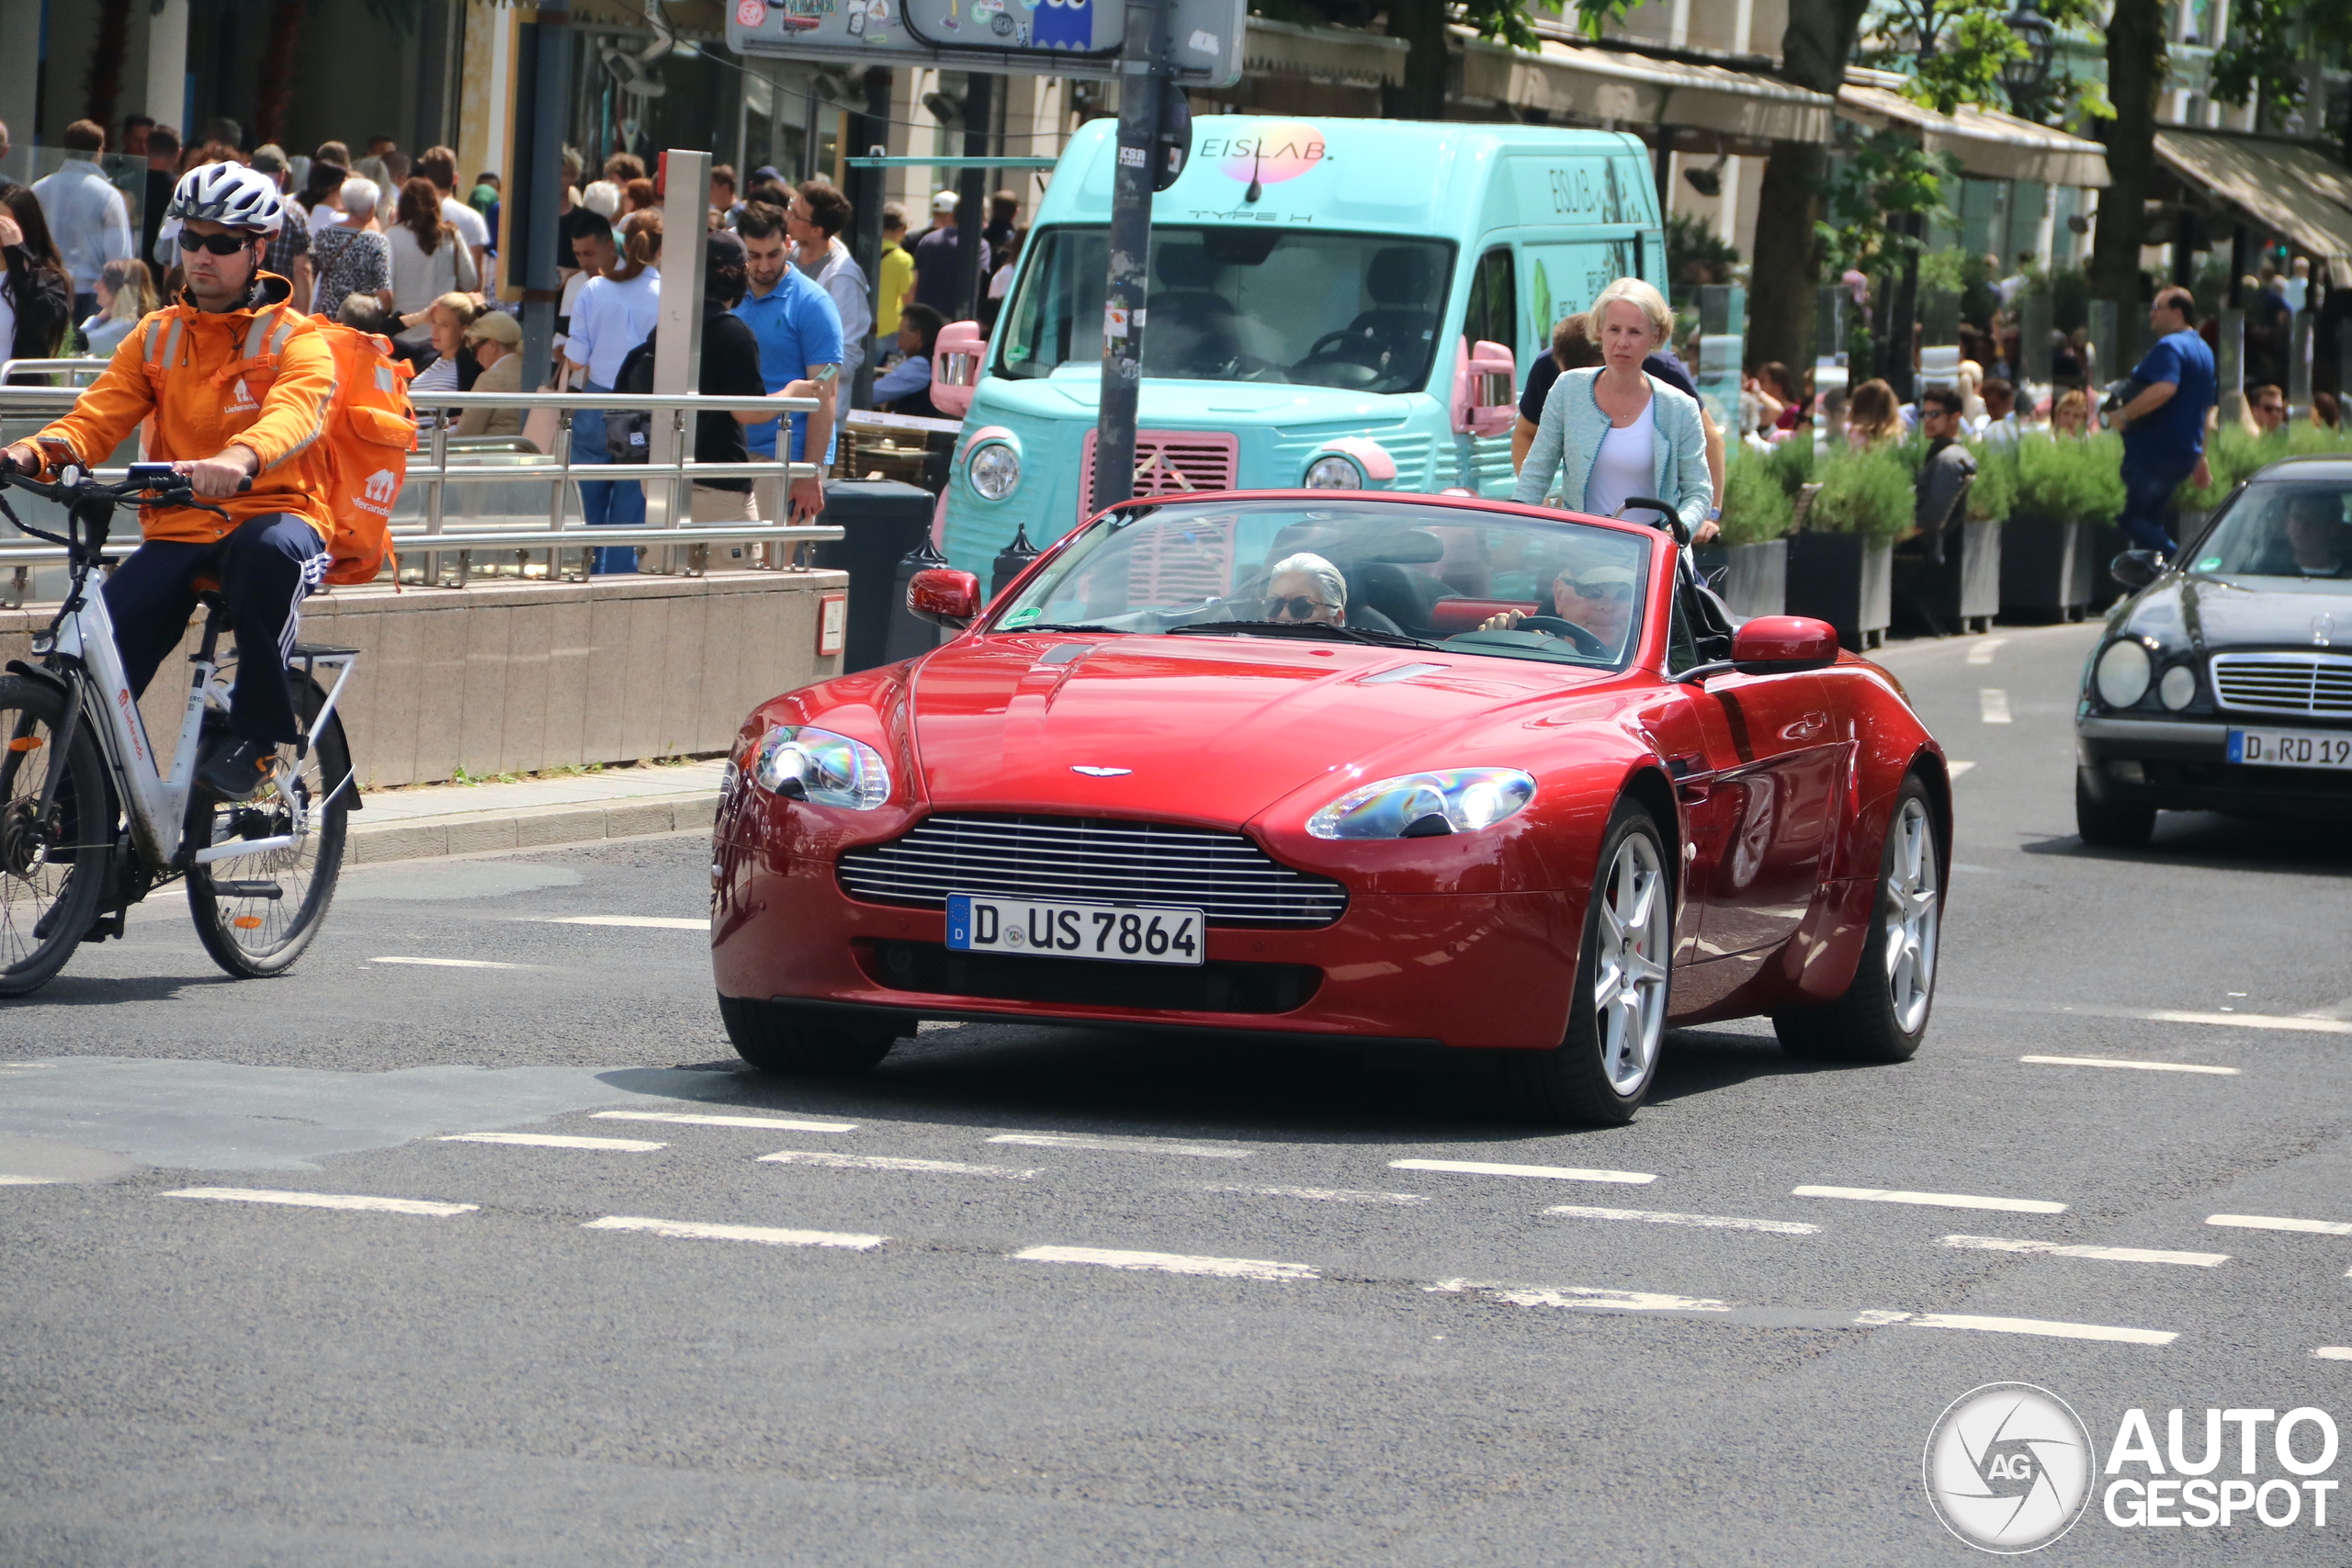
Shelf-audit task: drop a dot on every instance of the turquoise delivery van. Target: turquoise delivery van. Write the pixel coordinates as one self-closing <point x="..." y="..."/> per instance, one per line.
<point x="1340" y="303"/>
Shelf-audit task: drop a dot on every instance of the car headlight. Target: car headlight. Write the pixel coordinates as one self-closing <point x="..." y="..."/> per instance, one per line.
<point x="2124" y="673"/>
<point x="994" y="470"/>
<point x="1423" y="806"/>
<point x="802" y="764"/>
<point x="1334" y="473"/>
<point x="2178" y="688"/>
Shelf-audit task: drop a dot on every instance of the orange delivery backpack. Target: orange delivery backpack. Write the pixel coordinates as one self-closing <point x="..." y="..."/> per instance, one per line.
<point x="372" y="429"/>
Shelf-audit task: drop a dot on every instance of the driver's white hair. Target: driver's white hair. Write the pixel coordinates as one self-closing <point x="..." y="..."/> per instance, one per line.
<point x="1327" y="577"/>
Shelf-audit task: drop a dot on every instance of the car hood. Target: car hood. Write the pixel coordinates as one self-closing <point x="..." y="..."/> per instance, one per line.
<point x="2213" y="614"/>
<point x="1202" y="728"/>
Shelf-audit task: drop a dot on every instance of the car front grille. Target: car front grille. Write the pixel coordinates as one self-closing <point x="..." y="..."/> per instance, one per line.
<point x="1087" y="860"/>
<point x="2315" y="683"/>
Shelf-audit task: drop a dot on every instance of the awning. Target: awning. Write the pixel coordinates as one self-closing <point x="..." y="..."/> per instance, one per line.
<point x="2294" y="189"/>
<point x="1988" y="143"/>
<point x="1326" y="54"/>
<point x="1636" y="90"/>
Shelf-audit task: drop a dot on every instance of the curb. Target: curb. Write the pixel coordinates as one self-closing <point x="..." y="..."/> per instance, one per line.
<point x="532" y="828"/>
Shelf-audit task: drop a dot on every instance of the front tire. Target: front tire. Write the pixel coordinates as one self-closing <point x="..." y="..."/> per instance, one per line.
<point x="1882" y="1016"/>
<point x="51" y="873"/>
<point x="2106" y="827"/>
<point x="1598" y="1076"/>
<point x="782" y="1039"/>
<point x="256" y="914"/>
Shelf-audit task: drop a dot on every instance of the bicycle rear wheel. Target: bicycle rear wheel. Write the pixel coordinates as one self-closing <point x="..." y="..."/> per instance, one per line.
<point x="53" y="870"/>
<point x="256" y="913"/>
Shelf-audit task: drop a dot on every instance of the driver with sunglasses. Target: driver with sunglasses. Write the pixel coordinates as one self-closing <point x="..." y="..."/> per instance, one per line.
<point x="1597" y="596"/>
<point x="238" y="384"/>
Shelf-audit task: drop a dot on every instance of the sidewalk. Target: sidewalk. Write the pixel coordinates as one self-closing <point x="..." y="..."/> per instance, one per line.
<point x="455" y="820"/>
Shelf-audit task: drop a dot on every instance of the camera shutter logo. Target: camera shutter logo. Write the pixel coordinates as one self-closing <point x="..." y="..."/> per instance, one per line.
<point x="2008" y="1468"/>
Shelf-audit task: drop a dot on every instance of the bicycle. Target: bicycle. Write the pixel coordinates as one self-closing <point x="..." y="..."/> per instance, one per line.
<point x="89" y="826"/>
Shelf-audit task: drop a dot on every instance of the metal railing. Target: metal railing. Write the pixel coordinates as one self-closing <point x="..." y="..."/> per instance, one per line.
<point x="668" y="483"/>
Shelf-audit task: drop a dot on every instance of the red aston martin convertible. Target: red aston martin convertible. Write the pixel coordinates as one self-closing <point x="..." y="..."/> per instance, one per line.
<point x="1383" y="770"/>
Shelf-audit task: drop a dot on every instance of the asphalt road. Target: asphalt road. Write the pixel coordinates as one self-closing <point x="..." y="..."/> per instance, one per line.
<point x="1035" y="1297"/>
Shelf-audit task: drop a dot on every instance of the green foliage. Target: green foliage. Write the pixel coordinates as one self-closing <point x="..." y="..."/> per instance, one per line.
<point x="1994" y="494"/>
<point x="1791" y="462"/>
<point x="2232" y="453"/>
<point x="1755" y="508"/>
<point x="1886" y="174"/>
<point x="1695" y="254"/>
<point x="2070" y="480"/>
<point x="1954" y="52"/>
<point x="2270" y="43"/>
<point x="1866" y="490"/>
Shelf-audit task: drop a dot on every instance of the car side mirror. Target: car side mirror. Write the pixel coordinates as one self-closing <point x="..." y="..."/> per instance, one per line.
<point x="1784" y="645"/>
<point x="1486" y="383"/>
<point x="2136" y="569"/>
<point x="957" y="362"/>
<point x="945" y="596"/>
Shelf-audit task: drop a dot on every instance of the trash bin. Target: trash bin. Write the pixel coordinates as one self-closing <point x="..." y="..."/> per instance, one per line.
<point x="881" y="521"/>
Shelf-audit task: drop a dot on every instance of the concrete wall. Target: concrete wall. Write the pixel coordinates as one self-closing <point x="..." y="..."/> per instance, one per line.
<point x="521" y="677"/>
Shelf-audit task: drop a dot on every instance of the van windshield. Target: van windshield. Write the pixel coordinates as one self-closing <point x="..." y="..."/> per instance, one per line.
<point x="1358" y="311"/>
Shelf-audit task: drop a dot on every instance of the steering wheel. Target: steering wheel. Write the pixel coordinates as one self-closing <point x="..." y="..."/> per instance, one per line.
<point x="1555" y="625"/>
<point x="1330" y="340"/>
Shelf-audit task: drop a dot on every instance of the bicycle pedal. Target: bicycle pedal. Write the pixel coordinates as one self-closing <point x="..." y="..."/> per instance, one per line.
<point x="104" y="926"/>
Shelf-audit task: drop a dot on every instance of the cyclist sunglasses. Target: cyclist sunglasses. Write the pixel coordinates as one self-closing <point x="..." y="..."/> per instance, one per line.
<point x="1297" y="605"/>
<point x="218" y="244"/>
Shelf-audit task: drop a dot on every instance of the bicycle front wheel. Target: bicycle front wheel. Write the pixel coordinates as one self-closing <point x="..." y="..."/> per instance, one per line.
<point x="256" y="913"/>
<point x="52" y="865"/>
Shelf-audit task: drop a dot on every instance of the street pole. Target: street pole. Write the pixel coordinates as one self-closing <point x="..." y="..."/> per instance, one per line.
<point x="971" y="193"/>
<point x="542" y="108"/>
<point x="1142" y="79"/>
<point x="870" y="131"/>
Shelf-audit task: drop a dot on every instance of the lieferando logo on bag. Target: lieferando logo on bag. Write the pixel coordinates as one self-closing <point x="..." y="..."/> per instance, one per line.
<point x="2008" y="1467"/>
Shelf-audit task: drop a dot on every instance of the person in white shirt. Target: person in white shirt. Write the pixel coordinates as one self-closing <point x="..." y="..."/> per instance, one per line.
<point x="439" y="164"/>
<point x="86" y="216"/>
<point x="2299" y="285"/>
<point x="614" y="314"/>
<point x="815" y="220"/>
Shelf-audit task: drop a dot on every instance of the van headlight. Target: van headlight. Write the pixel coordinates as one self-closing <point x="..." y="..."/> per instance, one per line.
<point x="994" y="470"/>
<point x="1334" y="473"/>
<point x="2124" y="673"/>
<point x="1424" y="806"/>
<point x="799" y="762"/>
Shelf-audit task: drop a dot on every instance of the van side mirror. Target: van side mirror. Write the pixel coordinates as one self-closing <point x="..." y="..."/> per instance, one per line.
<point x="2136" y="569"/>
<point x="1486" y="388"/>
<point x="944" y="596"/>
<point x="1784" y="645"/>
<point x="956" y="366"/>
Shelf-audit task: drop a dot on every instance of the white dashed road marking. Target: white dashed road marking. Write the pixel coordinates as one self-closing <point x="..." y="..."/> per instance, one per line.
<point x="2034" y="1325"/>
<point x="1953" y="769"/>
<point x="2334" y="1352"/>
<point x="684" y="1119"/>
<point x="325" y="1201"/>
<point x="1543" y="1172"/>
<point x="30" y="1180"/>
<point x="2112" y="1253"/>
<point x="1701" y="1309"/>
<point x="2159" y="1015"/>
<point x="2119" y="1062"/>
<point x="1993" y="705"/>
<point x="643" y="923"/>
<point x="1711" y="1221"/>
<point x="553" y="1140"/>
<point x="2271" y="1223"/>
<point x="1170" y="1263"/>
<point x="892" y="1162"/>
<point x="1982" y="652"/>
<point x="447" y="962"/>
<point x="1317" y="1194"/>
<point x="1115" y="1145"/>
<point x="1580" y="1298"/>
<point x="690" y="1230"/>
<point x="1933" y="1200"/>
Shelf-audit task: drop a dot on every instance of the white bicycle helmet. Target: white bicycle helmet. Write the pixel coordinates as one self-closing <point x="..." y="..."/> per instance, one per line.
<point x="229" y="194"/>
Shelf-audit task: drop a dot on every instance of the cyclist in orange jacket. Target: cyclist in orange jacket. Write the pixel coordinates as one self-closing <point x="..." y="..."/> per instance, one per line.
<point x="239" y="384"/>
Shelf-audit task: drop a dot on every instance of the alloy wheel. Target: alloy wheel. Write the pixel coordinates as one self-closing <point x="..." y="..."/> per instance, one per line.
<point x="1630" y="971"/>
<point x="1912" y="909"/>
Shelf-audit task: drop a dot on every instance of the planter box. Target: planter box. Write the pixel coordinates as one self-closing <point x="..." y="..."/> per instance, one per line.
<point x="1959" y="594"/>
<point x="1756" y="577"/>
<point x="2046" y="569"/>
<point x="2103" y="542"/>
<point x="1846" y="580"/>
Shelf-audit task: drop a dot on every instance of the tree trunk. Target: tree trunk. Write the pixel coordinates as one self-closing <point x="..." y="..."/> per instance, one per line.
<point x="1787" y="271"/>
<point x="104" y="83"/>
<point x="274" y="92"/>
<point x="1421" y="24"/>
<point x="2135" y="72"/>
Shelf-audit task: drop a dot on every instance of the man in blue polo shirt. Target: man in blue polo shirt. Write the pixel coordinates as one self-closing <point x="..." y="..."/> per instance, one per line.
<point x="799" y="331"/>
<point x="2163" y="427"/>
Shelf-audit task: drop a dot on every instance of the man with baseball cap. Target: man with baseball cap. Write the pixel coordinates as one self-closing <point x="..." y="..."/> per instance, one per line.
<point x="1593" y="594"/>
<point x="493" y="340"/>
<point x="935" y="257"/>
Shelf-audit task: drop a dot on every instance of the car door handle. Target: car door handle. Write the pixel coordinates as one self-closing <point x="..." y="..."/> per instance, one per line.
<point x="1805" y="728"/>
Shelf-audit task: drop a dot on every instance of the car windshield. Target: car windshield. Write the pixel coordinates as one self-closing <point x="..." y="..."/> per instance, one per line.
<point x="1233" y="304"/>
<point x="2283" y="528"/>
<point x="1397" y="574"/>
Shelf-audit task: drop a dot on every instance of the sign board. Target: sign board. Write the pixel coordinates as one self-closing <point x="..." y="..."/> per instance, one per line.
<point x="1039" y="38"/>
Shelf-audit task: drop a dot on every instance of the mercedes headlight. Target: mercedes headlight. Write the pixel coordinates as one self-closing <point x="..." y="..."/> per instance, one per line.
<point x="2124" y="673"/>
<point x="2178" y="688"/>
<point x="1334" y="473"/>
<point x="994" y="470"/>
<point x="1423" y="806"/>
<point x="816" y="765"/>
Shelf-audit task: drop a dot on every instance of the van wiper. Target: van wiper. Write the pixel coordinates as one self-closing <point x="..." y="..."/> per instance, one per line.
<point x="1317" y="629"/>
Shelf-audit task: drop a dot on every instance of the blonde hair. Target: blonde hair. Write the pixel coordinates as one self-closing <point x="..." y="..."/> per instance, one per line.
<point x="1871" y="415"/>
<point x="464" y="307"/>
<point x="134" y="290"/>
<point x="1643" y="298"/>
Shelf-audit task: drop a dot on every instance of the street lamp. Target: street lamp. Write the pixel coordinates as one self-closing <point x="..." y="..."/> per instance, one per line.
<point x="2025" y="76"/>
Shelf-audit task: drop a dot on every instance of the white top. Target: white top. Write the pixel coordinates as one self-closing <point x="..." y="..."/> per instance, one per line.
<point x="87" y="218"/>
<point x="843" y="282"/>
<point x="419" y="280"/>
<point x="324" y="216"/>
<point x="1625" y="464"/>
<point x="469" y="223"/>
<point x="8" y="312"/>
<point x="609" y="318"/>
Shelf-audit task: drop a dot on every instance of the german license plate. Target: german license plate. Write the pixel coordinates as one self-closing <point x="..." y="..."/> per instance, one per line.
<point x="1128" y="933"/>
<point x="2292" y="747"/>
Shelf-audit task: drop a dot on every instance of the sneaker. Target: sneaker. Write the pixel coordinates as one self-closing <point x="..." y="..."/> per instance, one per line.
<point x="238" y="769"/>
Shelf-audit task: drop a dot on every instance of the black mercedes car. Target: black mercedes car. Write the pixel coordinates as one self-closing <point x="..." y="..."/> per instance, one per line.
<point x="2224" y="684"/>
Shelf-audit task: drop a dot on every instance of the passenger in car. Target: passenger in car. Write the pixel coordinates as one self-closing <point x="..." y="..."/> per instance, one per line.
<point x="1307" y="588"/>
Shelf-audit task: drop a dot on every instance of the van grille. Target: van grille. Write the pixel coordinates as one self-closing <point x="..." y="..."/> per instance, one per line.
<point x="2316" y="684"/>
<point x="1086" y="860"/>
<point x="1169" y="462"/>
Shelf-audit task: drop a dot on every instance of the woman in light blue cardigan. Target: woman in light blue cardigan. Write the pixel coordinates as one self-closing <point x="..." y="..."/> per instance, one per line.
<point x="1600" y="424"/>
